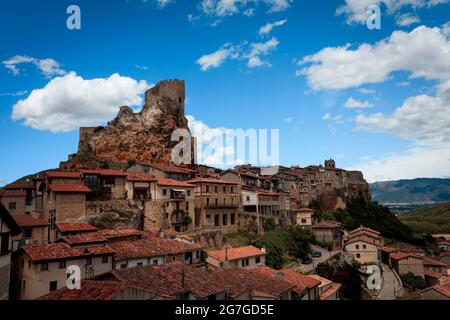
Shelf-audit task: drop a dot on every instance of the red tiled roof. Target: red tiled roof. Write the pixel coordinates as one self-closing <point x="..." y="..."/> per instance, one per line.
<point x="444" y="254"/>
<point x="85" y="238"/>
<point x="62" y="251"/>
<point x="19" y="186"/>
<point x="239" y="278"/>
<point x="167" y="279"/>
<point x="301" y="281"/>
<point x="173" y="183"/>
<point x="443" y="289"/>
<point x="326" y="225"/>
<point x="140" y="177"/>
<point x="13" y="193"/>
<point x="210" y="180"/>
<point x="433" y="274"/>
<point x="363" y="238"/>
<point x="446" y="243"/>
<point x="330" y="291"/>
<point x="63" y="175"/>
<point x="432" y="262"/>
<point x="235" y="253"/>
<point x="69" y="188"/>
<point x="403" y="255"/>
<point x="28" y="221"/>
<point x="74" y="226"/>
<point x="120" y="233"/>
<point x="90" y="290"/>
<point x="169" y="168"/>
<point x="362" y="229"/>
<point x="105" y="172"/>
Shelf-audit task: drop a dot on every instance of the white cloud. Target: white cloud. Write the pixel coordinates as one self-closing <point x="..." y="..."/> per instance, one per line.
<point x="267" y="28"/>
<point x="215" y="59"/>
<point x="335" y="118"/>
<point x="258" y="50"/>
<point x="355" y="104"/>
<point x="366" y="91"/>
<point x="48" y="67"/>
<point x="355" y="10"/>
<point x="403" y="84"/>
<point x="223" y="8"/>
<point x="423" y="51"/>
<point x="423" y="119"/>
<point x="427" y="162"/>
<point x="14" y="94"/>
<point x="69" y="102"/>
<point x="406" y="19"/>
<point x="289" y="120"/>
<point x="142" y="67"/>
<point x="163" y="3"/>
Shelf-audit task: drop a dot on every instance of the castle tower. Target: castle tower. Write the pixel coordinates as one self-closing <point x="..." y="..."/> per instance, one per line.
<point x="172" y="89"/>
<point x="331" y="164"/>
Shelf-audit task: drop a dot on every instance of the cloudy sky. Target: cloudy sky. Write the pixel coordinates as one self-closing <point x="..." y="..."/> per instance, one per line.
<point x="375" y="100"/>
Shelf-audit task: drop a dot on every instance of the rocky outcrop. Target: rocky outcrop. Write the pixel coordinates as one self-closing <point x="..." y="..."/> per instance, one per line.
<point x="142" y="136"/>
<point x="114" y="214"/>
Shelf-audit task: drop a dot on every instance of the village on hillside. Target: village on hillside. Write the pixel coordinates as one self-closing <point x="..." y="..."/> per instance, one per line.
<point x="136" y="229"/>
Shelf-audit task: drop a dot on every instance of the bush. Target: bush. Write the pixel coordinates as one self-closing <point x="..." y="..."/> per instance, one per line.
<point x="299" y="242"/>
<point x="269" y="225"/>
<point x="325" y="270"/>
<point x="413" y="282"/>
<point x="274" y="254"/>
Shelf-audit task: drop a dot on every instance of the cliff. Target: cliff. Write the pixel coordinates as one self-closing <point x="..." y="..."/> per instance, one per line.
<point x="143" y="136"/>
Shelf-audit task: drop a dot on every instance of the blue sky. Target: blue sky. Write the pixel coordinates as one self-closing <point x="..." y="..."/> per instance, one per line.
<point x="375" y="100"/>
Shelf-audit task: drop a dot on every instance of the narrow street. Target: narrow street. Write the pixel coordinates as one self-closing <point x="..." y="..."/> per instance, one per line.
<point x="306" y="268"/>
<point x="390" y="285"/>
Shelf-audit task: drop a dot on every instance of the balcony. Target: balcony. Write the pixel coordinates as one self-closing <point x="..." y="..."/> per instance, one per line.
<point x="177" y="196"/>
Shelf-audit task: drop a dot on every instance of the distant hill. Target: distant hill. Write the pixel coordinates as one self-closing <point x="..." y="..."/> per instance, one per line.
<point x="430" y="219"/>
<point x="404" y="195"/>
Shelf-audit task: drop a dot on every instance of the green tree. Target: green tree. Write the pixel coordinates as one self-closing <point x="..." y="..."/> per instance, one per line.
<point x="269" y="225"/>
<point x="299" y="242"/>
<point x="274" y="254"/>
<point x="325" y="270"/>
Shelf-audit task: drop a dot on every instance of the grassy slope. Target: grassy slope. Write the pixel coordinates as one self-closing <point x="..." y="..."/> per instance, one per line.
<point x="430" y="219"/>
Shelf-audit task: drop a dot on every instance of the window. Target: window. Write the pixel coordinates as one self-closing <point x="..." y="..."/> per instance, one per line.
<point x="44" y="266"/>
<point x="188" y="192"/>
<point x="105" y="259"/>
<point x="140" y="264"/>
<point x="207" y="201"/>
<point x="62" y="264"/>
<point x="258" y="260"/>
<point x="23" y="285"/>
<point x="4" y="240"/>
<point x="247" y="198"/>
<point x="215" y="189"/>
<point x="90" y="180"/>
<point x="155" y="262"/>
<point x="216" y="201"/>
<point x="187" y="206"/>
<point x="27" y="233"/>
<point x="232" y="219"/>
<point x="224" y="189"/>
<point x="357" y="247"/>
<point x="207" y="188"/>
<point x="364" y="246"/>
<point x="123" y="266"/>
<point x="53" y="285"/>
<point x="88" y="260"/>
<point x="245" y="262"/>
<point x="174" y="258"/>
<point x="358" y="255"/>
<point x="12" y="206"/>
<point x="164" y="192"/>
<point x="109" y="182"/>
<point x="303" y="220"/>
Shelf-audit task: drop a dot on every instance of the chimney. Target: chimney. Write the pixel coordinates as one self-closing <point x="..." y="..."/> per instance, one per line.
<point x="263" y="249"/>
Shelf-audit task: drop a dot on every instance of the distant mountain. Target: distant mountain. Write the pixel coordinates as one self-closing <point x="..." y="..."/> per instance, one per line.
<point x="404" y="195"/>
<point x="430" y="219"/>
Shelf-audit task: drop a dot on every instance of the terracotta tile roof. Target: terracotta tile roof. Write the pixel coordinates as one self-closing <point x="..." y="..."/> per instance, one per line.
<point x="13" y="186"/>
<point x="433" y="274"/>
<point x="362" y="238"/>
<point x="433" y="262"/>
<point x="62" y="251"/>
<point x="301" y="281"/>
<point x="444" y="243"/>
<point x="239" y="278"/>
<point x="85" y="238"/>
<point x="169" y="168"/>
<point x="120" y="233"/>
<point x="28" y="221"/>
<point x="403" y="255"/>
<point x="387" y="249"/>
<point x="167" y="279"/>
<point x="140" y="177"/>
<point x="151" y="246"/>
<point x="69" y="188"/>
<point x="444" y="254"/>
<point x="443" y="289"/>
<point x="235" y="253"/>
<point x="364" y="229"/>
<point x="173" y="183"/>
<point x="326" y="225"/>
<point x="210" y="180"/>
<point x="12" y="193"/>
<point x="74" y="226"/>
<point x="330" y="291"/>
<point x="105" y="172"/>
<point x="90" y="290"/>
<point x="63" y="175"/>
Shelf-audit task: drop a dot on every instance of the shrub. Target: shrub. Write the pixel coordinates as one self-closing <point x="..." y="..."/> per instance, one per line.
<point x="269" y="225"/>
<point x="413" y="282"/>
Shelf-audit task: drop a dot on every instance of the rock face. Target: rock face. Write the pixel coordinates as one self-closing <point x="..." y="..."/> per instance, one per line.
<point x="143" y="137"/>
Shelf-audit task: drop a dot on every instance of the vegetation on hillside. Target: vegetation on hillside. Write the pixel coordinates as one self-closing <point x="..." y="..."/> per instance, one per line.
<point x="428" y="220"/>
<point x="373" y="215"/>
<point x="345" y="275"/>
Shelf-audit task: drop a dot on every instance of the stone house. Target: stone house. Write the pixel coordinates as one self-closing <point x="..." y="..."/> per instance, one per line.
<point x="363" y="249"/>
<point x="304" y="217"/>
<point x="167" y="171"/>
<point x="328" y="290"/>
<point x="436" y="292"/>
<point x="104" y="184"/>
<point x="405" y="262"/>
<point x="34" y="231"/>
<point x="328" y="231"/>
<point x="217" y="204"/>
<point x="8" y="229"/>
<point x="41" y="269"/>
<point x="14" y="201"/>
<point x="248" y="257"/>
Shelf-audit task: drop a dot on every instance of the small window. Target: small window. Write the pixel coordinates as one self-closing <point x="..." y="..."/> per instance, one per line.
<point x="216" y="190"/>
<point x="364" y="246"/>
<point x="155" y="262"/>
<point x="62" y="264"/>
<point x="140" y="264"/>
<point x="358" y="255"/>
<point x="357" y="247"/>
<point x="247" y="198"/>
<point x="164" y="192"/>
<point x="174" y="258"/>
<point x="12" y="206"/>
<point x="188" y="192"/>
<point x="258" y="260"/>
<point x="88" y="260"/>
<point x="105" y="259"/>
<point x="44" y="266"/>
<point x="303" y="220"/>
<point x="53" y="285"/>
<point x="123" y="266"/>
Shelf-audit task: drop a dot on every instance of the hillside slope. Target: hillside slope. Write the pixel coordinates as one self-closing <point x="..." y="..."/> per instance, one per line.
<point x="430" y="219"/>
